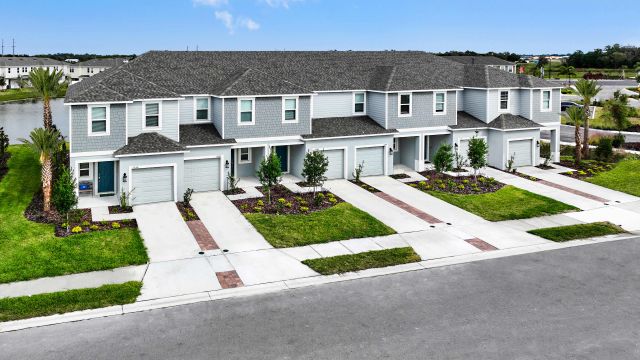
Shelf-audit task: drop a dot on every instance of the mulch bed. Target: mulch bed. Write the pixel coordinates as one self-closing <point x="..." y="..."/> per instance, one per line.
<point x="284" y="201"/>
<point x="544" y="167"/>
<point x="399" y="176"/>
<point x="187" y="212"/>
<point x="117" y="209"/>
<point x="86" y="225"/>
<point x="236" y="191"/>
<point x="463" y="185"/>
<point x="633" y="128"/>
<point x="627" y="146"/>
<point x="34" y="211"/>
<point x="367" y="187"/>
<point x="525" y="176"/>
<point x="585" y="169"/>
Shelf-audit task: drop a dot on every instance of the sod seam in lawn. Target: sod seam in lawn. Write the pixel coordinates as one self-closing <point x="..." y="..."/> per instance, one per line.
<point x="340" y="222"/>
<point x="508" y="203"/>
<point x="623" y="177"/>
<point x="361" y="261"/>
<point x="25" y="307"/>
<point x="30" y="250"/>
<point x="579" y="231"/>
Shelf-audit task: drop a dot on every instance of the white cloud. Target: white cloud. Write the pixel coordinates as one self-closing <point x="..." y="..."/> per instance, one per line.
<point x="249" y="24"/>
<point x="280" y="3"/>
<point x="226" y="19"/>
<point x="231" y="23"/>
<point x="210" y="2"/>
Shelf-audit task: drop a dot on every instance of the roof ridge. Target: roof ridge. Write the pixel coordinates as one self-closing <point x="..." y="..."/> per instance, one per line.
<point x="235" y="81"/>
<point x="148" y="81"/>
<point x="391" y="75"/>
<point x="98" y="81"/>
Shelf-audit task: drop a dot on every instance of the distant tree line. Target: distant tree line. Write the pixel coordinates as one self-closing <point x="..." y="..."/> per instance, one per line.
<point x="612" y="56"/>
<point x="509" y="56"/>
<point x="80" y="57"/>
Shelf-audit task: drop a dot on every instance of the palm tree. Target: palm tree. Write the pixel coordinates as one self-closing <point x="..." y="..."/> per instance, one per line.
<point x="47" y="85"/>
<point x="567" y="70"/>
<point x="44" y="142"/>
<point x="576" y="117"/>
<point x="587" y="89"/>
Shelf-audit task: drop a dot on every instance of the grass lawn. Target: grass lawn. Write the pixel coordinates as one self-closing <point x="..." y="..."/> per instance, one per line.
<point x="340" y="222"/>
<point x="623" y="177"/>
<point x="30" y="250"/>
<point x="362" y="261"/>
<point x="580" y="231"/>
<point x="23" y="94"/>
<point x="508" y="203"/>
<point x="66" y="301"/>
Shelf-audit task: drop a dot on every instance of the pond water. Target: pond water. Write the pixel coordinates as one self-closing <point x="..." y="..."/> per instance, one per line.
<point x="19" y="118"/>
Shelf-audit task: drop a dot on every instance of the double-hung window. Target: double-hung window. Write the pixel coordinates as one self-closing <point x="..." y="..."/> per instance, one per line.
<point x="202" y="109"/>
<point x="546" y="100"/>
<point x="85" y="170"/>
<point x="439" y="103"/>
<point x="246" y="114"/>
<point x="98" y="120"/>
<point x="504" y="100"/>
<point x="152" y="115"/>
<point x="358" y="103"/>
<point x="404" y="105"/>
<point x="245" y="156"/>
<point x="290" y="110"/>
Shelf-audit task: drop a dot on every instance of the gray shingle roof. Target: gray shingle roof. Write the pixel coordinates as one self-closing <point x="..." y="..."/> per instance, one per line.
<point x="232" y="73"/>
<point x="467" y="121"/>
<point x="512" y="122"/>
<point x="201" y="134"/>
<point x="346" y="126"/>
<point x="7" y="61"/>
<point x="149" y="143"/>
<point x="478" y="60"/>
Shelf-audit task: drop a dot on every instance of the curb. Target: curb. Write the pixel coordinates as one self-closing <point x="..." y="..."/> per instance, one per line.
<point x="279" y="286"/>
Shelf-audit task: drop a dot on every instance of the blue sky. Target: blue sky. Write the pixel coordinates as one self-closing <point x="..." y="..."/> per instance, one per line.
<point x="135" y="26"/>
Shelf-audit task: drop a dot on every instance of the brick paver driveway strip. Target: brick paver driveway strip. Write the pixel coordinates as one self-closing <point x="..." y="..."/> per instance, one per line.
<point x="165" y="234"/>
<point x="226" y="224"/>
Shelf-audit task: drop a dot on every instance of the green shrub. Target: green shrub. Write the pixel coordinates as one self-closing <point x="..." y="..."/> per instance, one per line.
<point x="618" y="141"/>
<point x="318" y="199"/>
<point x="76" y="229"/>
<point x="288" y="205"/>
<point x="115" y="225"/>
<point x="304" y="209"/>
<point x="85" y="223"/>
<point x="282" y="201"/>
<point x="257" y="209"/>
<point x="333" y="200"/>
<point x="94" y="227"/>
<point x="260" y="203"/>
<point x="604" y="150"/>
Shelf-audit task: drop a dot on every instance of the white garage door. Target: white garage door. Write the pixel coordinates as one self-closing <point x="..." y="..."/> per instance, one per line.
<point x="151" y="185"/>
<point x="336" y="164"/>
<point x="202" y="174"/>
<point x="521" y="150"/>
<point x="373" y="158"/>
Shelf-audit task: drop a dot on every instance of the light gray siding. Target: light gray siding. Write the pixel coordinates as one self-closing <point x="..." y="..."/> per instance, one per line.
<point x="82" y="142"/>
<point x="268" y="119"/>
<point x="249" y="169"/>
<point x="350" y="145"/>
<point x="546" y="116"/>
<point x="170" y="119"/>
<point x="186" y="110"/>
<point x="525" y="103"/>
<point x="421" y="112"/>
<point x="460" y="100"/>
<point x="296" y="159"/>
<point x="462" y="137"/>
<point x="435" y="142"/>
<point x="494" y="103"/>
<point x="337" y="104"/>
<point x="216" y="112"/>
<point x="376" y="107"/>
<point x="475" y="103"/>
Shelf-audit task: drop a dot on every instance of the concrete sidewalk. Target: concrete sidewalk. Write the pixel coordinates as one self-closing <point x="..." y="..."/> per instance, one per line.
<point x="391" y="215"/>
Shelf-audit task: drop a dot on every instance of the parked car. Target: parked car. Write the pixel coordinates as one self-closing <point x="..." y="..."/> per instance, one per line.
<point x="567" y="104"/>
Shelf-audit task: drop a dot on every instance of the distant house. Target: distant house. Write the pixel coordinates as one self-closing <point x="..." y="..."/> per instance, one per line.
<point x="15" y="69"/>
<point x="91" y="67"/>
<point x="486" y="61"/>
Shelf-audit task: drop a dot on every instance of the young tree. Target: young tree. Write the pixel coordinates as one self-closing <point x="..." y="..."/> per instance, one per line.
<point x="314" y="167"/>
<point x="587" y="89"/>
<point x="4" y="143"/>
<point x="45" y="143"/>
<point x="47" y="85"/>
<point x="477" y="154"/>
<point x="269" y="173"/>
<point x="443" y="160"/>
<point x="617" y="111"/>
<point x="64" y="193"/>
<point x="576" y="117"/>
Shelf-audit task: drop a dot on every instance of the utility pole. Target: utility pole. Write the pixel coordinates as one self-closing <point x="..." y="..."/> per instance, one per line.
<point x="13" y="46"/>
<point x="2" y="47"/>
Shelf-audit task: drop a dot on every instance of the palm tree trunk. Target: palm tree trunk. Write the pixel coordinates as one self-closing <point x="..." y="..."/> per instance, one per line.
<point x="577" y="154"/>
<point x="585" y="138"/>
<point x="46" y="183"/>
<point x="48" y="122"/>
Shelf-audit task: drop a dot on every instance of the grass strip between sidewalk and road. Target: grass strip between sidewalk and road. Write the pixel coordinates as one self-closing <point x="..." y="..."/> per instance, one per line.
<point x="579" y="231"/>
<point x="340" y="222"/>
<point x="508" y="203"/>
<point x="361" y="261"/>
<point x="25" y="307"/>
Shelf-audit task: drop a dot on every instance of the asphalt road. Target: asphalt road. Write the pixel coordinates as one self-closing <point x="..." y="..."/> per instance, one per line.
<point x="576" y="303"/>
<point x="567" y="134"/>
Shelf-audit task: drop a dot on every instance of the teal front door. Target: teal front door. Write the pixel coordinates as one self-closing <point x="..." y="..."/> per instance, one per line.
<point x="283" y="154"/>
<point x="106" y="172"/>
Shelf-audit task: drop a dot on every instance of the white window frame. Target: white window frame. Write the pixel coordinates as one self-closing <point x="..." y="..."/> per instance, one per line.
<point x="364" y="103"/>
<point x="90" y="120"/>
<point x="410" y="104"/>
<point x="144" y="116"/>
<point x="500" y="109"/>
<point x="80" y="169"/>
<point x="542" y="109"/>
<point x="195" y="109"/>
<point x="444" y="111"/>
<point x="297" y="109"/>
<point x="248" y="161"/>
<point x="253" y="112"/>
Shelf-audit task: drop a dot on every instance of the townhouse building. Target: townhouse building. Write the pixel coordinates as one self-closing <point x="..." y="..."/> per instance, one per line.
<point x="167" y="121"/>
<point x="88" y="68"/>
<point x="485" y="60"/>
<point x="15" y="69"/>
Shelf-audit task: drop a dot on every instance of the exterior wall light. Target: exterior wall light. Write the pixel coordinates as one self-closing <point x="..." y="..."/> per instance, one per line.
<point x="124" y="177"/>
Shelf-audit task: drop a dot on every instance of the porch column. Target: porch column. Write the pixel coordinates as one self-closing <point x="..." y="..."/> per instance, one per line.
<point x="420" y="166"/>
<point x="555" y="145"/>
